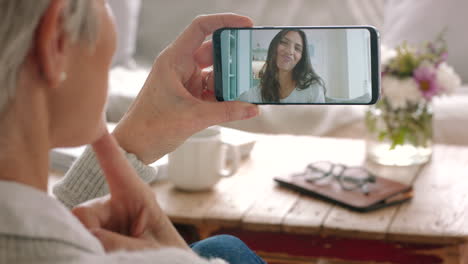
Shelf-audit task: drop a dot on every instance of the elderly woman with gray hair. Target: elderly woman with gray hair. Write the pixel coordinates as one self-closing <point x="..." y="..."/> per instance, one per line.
<point x="55" y="56"/>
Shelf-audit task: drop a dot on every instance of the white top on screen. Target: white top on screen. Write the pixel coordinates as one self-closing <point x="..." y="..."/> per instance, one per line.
<point x="313" y="94"/>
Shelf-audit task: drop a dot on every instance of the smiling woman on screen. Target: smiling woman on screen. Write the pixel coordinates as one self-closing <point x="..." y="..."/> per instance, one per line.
<point x="287" y="75"/>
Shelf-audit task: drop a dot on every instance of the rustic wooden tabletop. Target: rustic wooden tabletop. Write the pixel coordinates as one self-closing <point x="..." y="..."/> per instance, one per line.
<point x="287" y="227"/>
<point x="252" y="201"/>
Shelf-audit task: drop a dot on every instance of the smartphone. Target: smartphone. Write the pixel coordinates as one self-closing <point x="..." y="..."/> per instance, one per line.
<point x="297" y="65"/>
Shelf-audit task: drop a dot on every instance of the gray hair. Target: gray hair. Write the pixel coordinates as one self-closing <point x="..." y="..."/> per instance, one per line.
<point x="17" y="30"/>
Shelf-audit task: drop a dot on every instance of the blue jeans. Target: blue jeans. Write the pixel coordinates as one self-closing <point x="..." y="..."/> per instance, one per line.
<point x="226" y="247"/>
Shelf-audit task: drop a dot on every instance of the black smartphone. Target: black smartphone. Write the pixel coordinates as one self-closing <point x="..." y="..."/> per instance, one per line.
<point x="297" y="65"/>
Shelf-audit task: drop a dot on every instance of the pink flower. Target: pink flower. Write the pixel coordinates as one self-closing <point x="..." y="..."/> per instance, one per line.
<point x="426" y="77"/>
<point x="442" y="59"/>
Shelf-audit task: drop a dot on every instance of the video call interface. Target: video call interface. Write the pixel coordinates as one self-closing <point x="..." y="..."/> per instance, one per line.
<point x="296" y="66"/>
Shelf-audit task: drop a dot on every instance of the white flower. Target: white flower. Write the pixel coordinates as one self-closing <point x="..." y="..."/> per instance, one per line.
<point x="447" y="78"/>
<point x="386" y="54"/>
<point x="400" y="92"/>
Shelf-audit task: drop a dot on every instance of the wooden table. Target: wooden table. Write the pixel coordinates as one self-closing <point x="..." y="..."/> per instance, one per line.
<point x="286" y="227"/>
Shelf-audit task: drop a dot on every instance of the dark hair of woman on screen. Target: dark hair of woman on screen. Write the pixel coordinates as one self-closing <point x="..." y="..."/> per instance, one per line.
<point x="287" y="75"/>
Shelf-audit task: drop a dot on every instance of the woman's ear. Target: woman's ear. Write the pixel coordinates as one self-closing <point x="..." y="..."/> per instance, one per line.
<point x="51" y="44"/>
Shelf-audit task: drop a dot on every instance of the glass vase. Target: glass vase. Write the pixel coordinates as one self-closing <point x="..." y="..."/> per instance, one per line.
<point x="399" y="137"/>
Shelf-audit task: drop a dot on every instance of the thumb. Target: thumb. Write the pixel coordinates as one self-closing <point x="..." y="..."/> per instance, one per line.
<point x="220" y="112"/>
<point x="87" y="216"/>
<point x="112" y="241"/>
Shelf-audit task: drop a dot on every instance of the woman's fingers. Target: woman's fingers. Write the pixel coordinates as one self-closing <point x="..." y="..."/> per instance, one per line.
<point x="87" y="217"/>
<point x="208" y="86"/>
<point x="202" y="26"/>
<point x="112" y="241"/>
<point x="221" y="112"/>
<point x="121" y="177"/>
<point x="204" y="55"/>
<point x="202" y="85"/>
<point x="94" y="213"/>
<point x="140" y="223"/>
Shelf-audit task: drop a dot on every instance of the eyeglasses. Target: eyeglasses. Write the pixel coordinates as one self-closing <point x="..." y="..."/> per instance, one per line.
<point x="349" y="178"/>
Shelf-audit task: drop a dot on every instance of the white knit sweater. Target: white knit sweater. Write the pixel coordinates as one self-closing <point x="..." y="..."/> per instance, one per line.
<point x="36" y="228"/>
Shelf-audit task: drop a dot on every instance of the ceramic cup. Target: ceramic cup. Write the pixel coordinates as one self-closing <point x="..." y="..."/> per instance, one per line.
<point x="201" y="161"/>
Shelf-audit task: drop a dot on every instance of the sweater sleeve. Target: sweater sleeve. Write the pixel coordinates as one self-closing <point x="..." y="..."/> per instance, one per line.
<point x="85" y="179"/>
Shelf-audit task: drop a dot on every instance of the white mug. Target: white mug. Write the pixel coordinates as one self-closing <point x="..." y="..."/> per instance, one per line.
<point x="201" y="161"/>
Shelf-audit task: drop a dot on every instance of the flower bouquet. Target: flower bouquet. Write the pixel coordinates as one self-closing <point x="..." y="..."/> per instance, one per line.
<point x="400" y="125"/>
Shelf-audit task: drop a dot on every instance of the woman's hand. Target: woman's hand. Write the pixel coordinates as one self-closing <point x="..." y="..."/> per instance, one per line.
<point x="130" y="218"/>
<point x="173" y="104"/>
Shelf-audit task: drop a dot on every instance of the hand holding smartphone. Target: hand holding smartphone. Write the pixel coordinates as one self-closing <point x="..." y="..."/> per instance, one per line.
<point x="297" y="65"/>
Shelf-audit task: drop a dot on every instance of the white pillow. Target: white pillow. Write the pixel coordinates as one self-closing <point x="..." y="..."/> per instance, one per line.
<point x="422" y="20"/>
<point x="126" y="13"/>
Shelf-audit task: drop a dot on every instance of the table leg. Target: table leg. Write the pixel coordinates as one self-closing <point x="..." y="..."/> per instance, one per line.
<point x="464" y="253"/>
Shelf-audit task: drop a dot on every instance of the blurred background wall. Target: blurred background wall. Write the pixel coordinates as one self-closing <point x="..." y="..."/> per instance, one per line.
<point x="162" y="20"/>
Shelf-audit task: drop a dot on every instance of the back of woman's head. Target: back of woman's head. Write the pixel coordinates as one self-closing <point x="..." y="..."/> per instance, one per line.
<point x="20" y="19"/>
<point x="303" y="74"/>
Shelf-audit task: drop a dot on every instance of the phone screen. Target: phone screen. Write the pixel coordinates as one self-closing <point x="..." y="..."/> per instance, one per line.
<point x="291" y="65"/>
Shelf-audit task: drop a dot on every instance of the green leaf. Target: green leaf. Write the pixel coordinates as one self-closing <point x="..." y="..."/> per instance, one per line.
<point x="399" y="137"/>
<point x="382" y="135"/>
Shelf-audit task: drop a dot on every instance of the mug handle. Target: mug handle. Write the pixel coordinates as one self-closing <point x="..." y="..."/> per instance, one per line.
<point x="235" y="154"/>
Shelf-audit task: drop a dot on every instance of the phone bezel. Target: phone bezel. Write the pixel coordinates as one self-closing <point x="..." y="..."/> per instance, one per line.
<point x="375" y="61"/>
